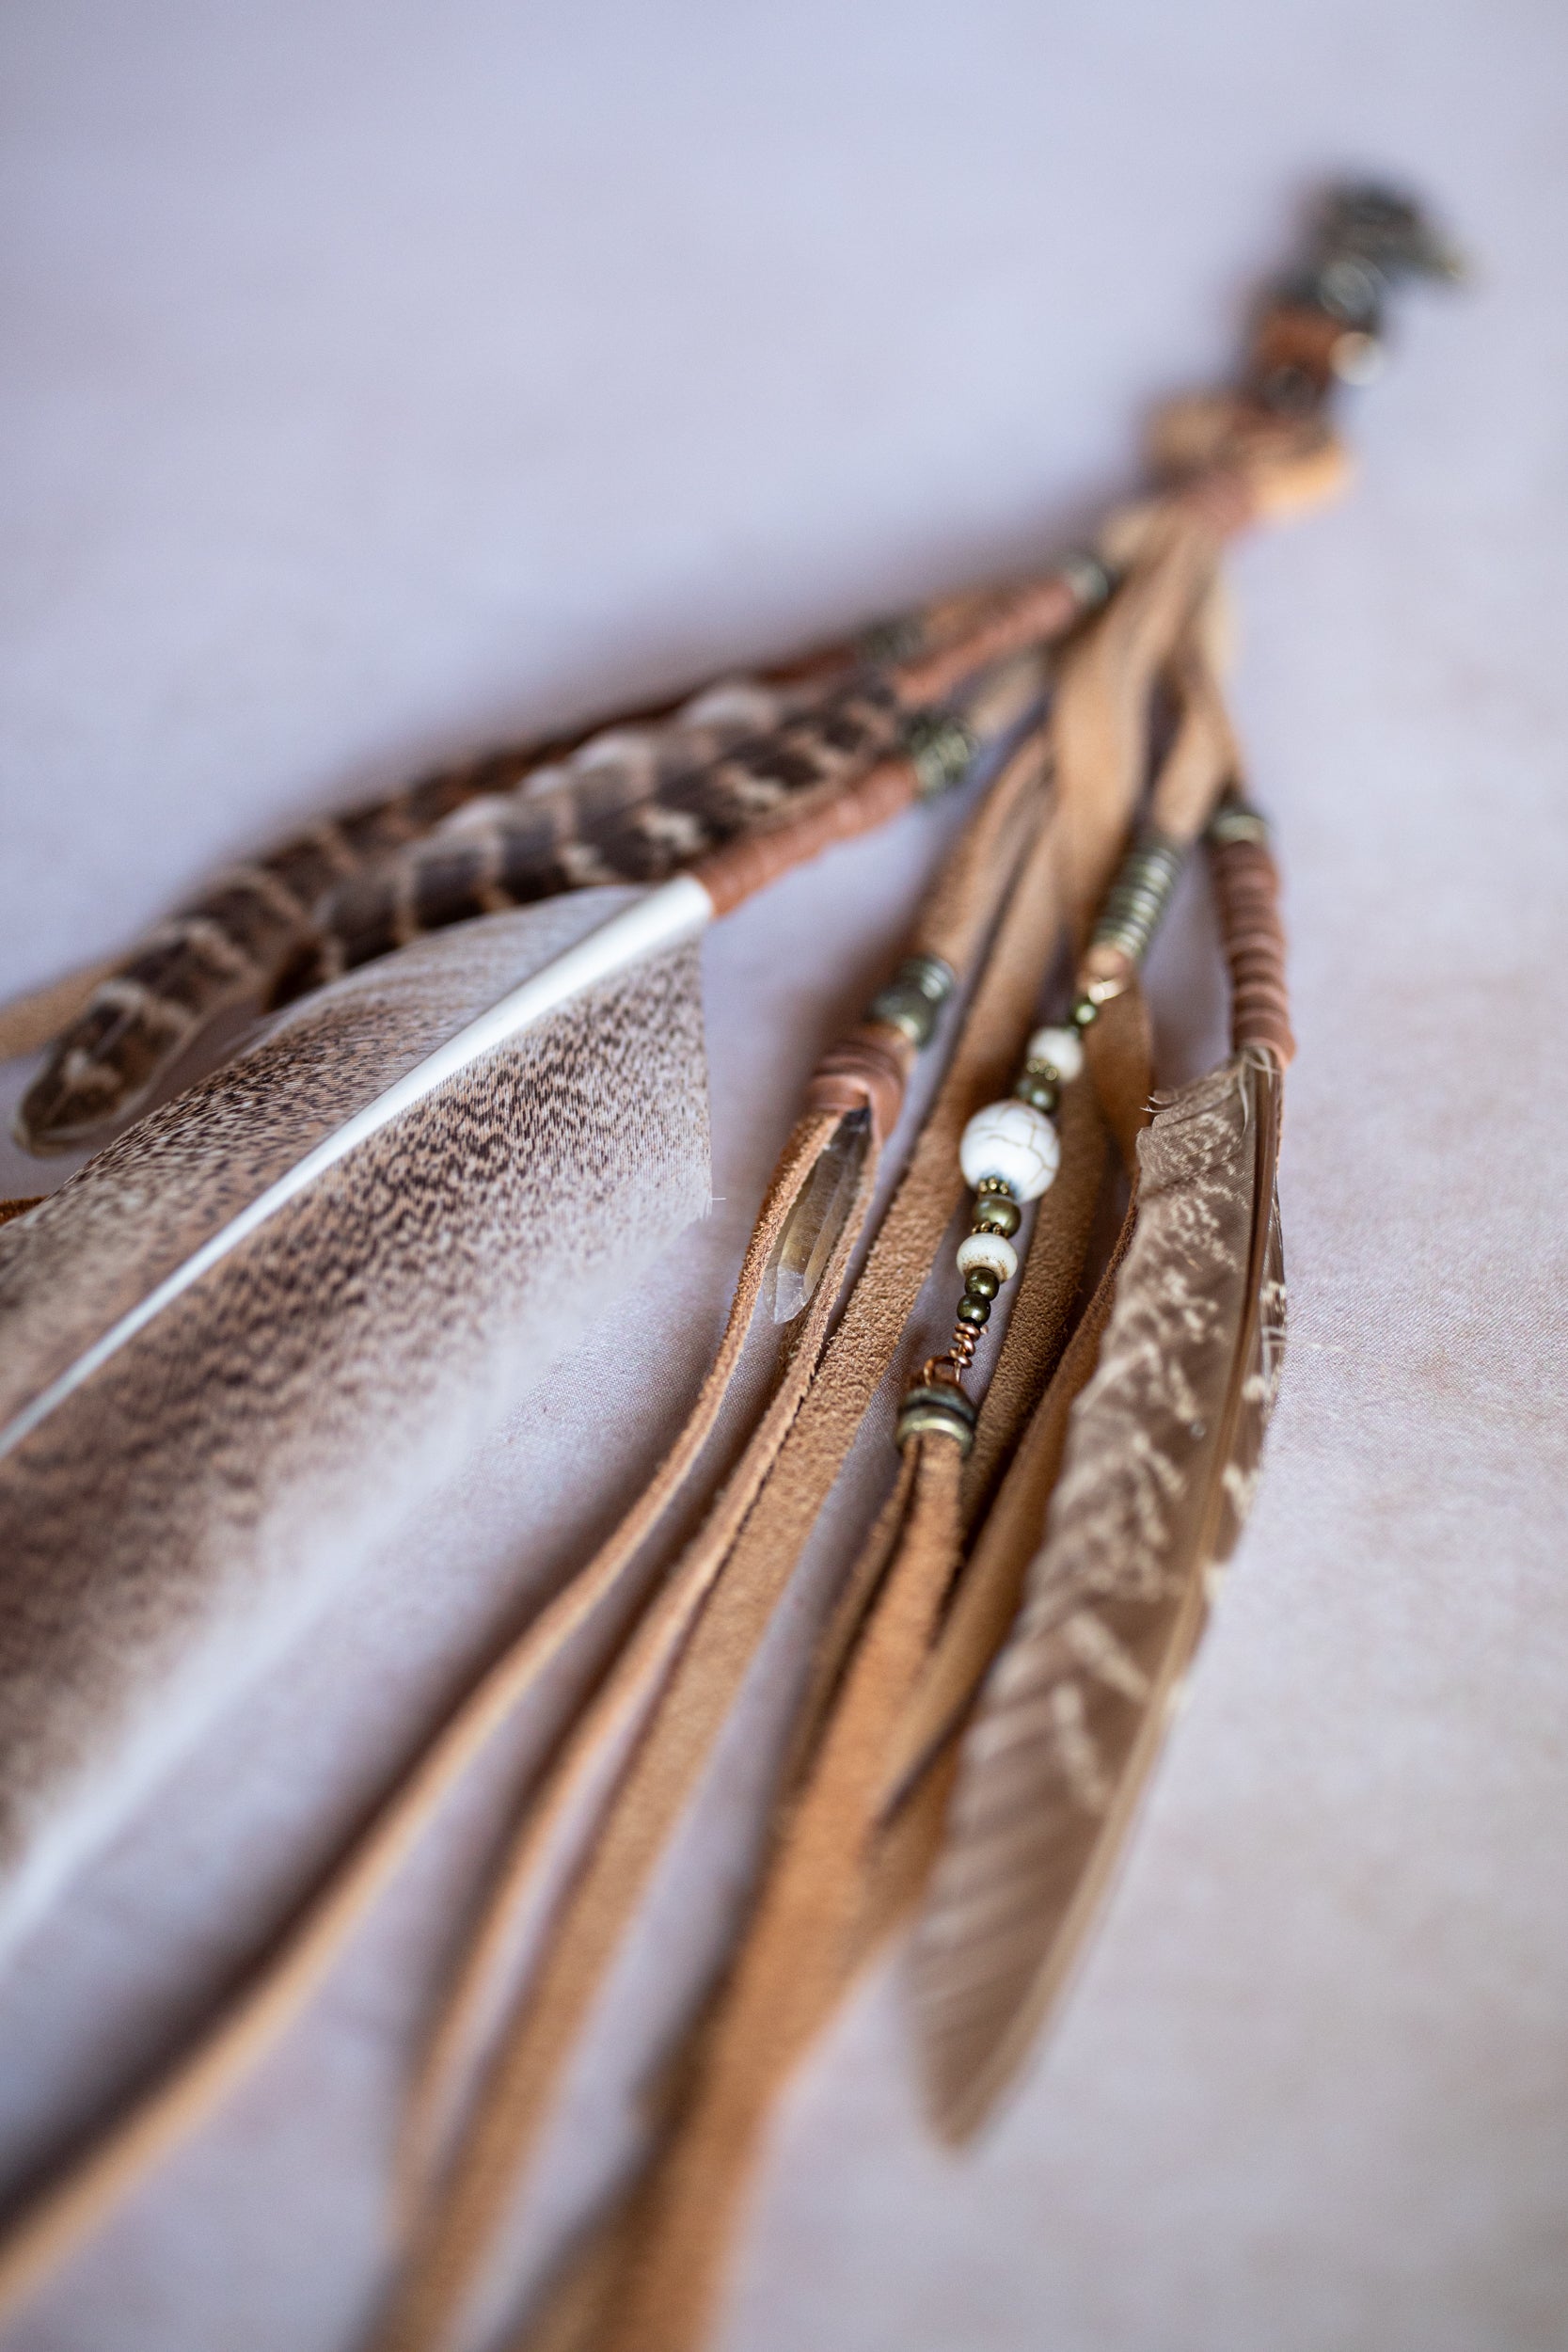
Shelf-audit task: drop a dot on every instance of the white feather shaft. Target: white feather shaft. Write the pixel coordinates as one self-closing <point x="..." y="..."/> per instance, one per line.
<point x="675" y="911"/>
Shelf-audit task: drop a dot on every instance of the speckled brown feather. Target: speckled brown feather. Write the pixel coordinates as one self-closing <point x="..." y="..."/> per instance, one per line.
<point x="166" y="1528"/>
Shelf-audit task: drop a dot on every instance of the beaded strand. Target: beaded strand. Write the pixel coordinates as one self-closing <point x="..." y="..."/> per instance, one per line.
<point x="1011" y="1152"/>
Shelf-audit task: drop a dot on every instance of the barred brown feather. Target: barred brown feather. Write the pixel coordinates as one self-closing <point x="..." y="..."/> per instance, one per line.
<point x="265" y="930"/>
<point x="604" y="824"/>
<point x="1162" y="1455"/>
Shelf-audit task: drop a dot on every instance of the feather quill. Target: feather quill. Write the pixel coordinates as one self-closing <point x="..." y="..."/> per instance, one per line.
<point x="174" y="1503"/>
<point x="1162" y="1455"/>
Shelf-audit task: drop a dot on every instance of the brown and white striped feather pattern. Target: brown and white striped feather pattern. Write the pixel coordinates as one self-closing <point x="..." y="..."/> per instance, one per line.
<point x="631" y="804"/>
<point x="1161" y="1457"/>
<point x="607" y="824"/>
<point x="173" y="1520"/>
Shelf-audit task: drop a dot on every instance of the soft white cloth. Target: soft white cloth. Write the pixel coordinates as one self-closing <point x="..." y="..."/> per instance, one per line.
<point x="384" y="378"/>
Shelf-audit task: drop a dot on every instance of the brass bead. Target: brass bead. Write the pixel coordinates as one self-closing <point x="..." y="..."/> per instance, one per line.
<point x="974" y="1311"/>
<point x="997" y="1213"/>
<point x="913" y="997"/>
<point x="1089" y="578"/>
<point x="897" y="639"/>
<point x="1038" y="1093"/>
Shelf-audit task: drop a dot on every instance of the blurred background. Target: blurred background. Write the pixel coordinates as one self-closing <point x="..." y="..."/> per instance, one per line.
<point x="382" y="380"/>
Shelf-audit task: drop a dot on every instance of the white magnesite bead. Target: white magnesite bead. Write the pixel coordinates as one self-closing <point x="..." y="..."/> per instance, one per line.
<point x="1015" y="1142"/>
<point x="1062" y="1048"/>
<point x="988" y="1249"/>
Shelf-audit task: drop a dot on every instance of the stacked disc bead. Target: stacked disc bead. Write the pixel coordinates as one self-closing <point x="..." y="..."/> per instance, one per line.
<point x="1009" y="1153"/>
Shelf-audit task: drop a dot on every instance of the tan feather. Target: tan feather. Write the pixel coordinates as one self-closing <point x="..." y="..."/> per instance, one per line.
<point x="169" y="1516"/>
<point x="1161" y="1453"/>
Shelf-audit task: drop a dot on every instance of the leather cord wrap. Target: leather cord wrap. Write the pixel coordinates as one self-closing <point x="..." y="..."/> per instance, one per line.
<point x="1246" y="897"/>
<point x="864" y="1071"/>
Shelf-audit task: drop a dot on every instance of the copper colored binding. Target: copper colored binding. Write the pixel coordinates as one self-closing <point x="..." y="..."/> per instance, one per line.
<point x="1246" y="897"/>
<point x="1032" y="613"/>
<point x="866" y="1071"/>
<point x="733" y="875"/>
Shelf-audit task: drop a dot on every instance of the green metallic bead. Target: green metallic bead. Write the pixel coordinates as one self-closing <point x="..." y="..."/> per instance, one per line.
<point x="897" y="639"/>
<point x="1037" y="1092"/>
<point x="941" y="748"/>
<point x="974" y="1311"/>
<point x="981" y="1283"/>
<point x="937" y="1408"/>
<point x="905" y="1009"/>
<point x="997" y="1213"/>
<point x="913" y="997"/>
<point x="1084" y="1013"/>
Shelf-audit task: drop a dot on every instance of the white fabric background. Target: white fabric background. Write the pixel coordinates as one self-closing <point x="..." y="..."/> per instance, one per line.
<point x="385" y="379"/>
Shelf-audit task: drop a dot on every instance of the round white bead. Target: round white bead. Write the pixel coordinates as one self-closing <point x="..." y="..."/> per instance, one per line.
<point x="988" y="1249"/>
<point x="1015" y="1142"/>
<point x="1062" y="1048"/>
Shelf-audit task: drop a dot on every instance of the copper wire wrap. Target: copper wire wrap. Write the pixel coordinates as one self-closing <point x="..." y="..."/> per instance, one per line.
<point x="1032" y="613"/>
<point x="1246" y="899"/>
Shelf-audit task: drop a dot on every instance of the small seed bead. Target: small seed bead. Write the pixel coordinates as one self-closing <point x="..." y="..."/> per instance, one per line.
<point x="997" y="1213"/>
<point x="986" y="1248"/>
<point x="913" y="998"/>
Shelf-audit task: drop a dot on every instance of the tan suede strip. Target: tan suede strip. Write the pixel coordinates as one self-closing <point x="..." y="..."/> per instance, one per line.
<point x="801" y="1947"/>
<point x="962" y="907"/>
<point x="1203" y="758"/>
<point x="72" y="2206"/>
<point x="1102" y="714"/>
<point x="670" y="1760"/>
<point x="560" y="1998"/>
